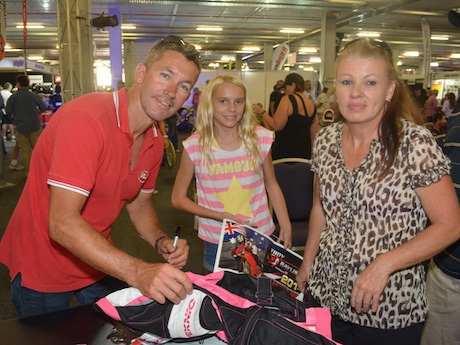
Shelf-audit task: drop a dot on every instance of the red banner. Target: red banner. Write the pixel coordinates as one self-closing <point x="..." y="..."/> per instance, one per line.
<point x="24" y="20"/>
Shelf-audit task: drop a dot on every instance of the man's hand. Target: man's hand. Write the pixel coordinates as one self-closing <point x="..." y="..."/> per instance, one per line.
<point x="163" y="282"/>
<point x="175" y="256"/>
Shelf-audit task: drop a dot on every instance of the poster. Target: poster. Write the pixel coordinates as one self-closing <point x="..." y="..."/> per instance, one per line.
<point x="245" y="250"/>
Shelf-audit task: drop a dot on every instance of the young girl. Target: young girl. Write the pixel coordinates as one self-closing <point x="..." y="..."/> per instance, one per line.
<point x="229" y="155"/>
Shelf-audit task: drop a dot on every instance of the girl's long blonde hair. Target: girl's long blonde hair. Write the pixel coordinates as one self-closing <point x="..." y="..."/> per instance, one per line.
<point x="204" y="125"/>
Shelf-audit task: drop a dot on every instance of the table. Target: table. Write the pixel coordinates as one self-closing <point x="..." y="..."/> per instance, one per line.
<point x="80" y="325"/>
<point x="76" y="326"/>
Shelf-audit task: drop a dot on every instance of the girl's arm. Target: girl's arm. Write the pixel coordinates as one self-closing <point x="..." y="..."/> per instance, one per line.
<point x="277" y="199"/>
<point x="316" y="226"/>
<point x="182" y="202"/>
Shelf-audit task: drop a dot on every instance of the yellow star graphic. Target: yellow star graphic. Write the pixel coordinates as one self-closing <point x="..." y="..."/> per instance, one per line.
<point x="236" y="199"/>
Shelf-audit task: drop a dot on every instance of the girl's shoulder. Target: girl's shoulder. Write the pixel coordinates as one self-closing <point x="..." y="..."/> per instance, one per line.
<point x="263" y="132"/>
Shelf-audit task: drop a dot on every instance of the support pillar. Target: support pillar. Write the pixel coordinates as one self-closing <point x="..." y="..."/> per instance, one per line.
<point x="268" y="54"/>
<point x="75" y="48"/>
<point x="328" y="50"/>
<point x="115" y="41"/>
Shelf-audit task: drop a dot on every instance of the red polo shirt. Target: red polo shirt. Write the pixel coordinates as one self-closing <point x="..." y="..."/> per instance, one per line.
<point x="86" y="148"/>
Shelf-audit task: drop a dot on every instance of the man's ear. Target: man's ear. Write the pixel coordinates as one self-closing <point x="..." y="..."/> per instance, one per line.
<point x="140" y="71"/>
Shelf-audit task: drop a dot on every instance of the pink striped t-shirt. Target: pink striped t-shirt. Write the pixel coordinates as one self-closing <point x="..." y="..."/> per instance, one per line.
<point x="230" y="184"/>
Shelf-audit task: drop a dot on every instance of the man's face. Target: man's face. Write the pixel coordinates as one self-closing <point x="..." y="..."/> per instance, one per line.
<point x="308" y="85"/>
<point x="166" y="85"/>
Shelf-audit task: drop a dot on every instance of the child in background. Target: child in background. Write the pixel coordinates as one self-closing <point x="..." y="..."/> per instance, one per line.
<point x="229" y="155"/>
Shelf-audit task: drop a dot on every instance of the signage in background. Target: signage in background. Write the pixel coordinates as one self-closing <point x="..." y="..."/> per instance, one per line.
<point x="280" y="56"/>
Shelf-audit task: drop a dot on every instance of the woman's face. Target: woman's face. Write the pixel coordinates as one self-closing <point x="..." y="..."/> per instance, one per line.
<point x="362" y="89"/>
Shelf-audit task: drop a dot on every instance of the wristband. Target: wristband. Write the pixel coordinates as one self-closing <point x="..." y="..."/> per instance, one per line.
<point x="165" y="136"/>
<point x="157" y="242"/>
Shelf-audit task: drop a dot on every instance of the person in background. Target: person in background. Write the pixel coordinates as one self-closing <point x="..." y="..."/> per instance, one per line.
<point x="196" y="97"/>
<point x="308" y="90"/>
<point x="24" y="107"/>
<point x="275" y="97"/>
<point x="7" y="121"/>
<point x="448" y="104"/>
<point x="439" y="127"/>
<point x="227" y="137"/>
<point x="431" y="105"/>
<point x="322" y="103"/>
<point x="102" y="151"/>
<point x="443" y="279"/>
<point x="295" y="121"/>
<point x="376" y="215"/>
<point x="55" y="99"/>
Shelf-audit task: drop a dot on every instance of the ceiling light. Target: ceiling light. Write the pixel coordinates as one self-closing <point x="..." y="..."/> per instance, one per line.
<point x="292" y="31"/>
<point x="315" y="59"/>
<point x="455" y="56"/>
<point x="368" y="34"/>
<point x="439" y="38"/>
<point x="30" y="26"/>
<point x="434" y="64"/>
<point x="308" y="69"/>
<point x="412" y="54"/>
<point x="251" y="49"/>
<point x="208" y="28"/>
<point x="38" y="57"/>
<point x="128" y="27"/>
<point x="213" y="64"/>
<point x="197" y="47"/>
<point x="308" y="50"/>
<point x="227" y="58"/>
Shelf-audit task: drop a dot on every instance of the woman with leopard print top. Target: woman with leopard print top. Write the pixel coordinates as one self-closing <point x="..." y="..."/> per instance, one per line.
<point x="376" y="217"/>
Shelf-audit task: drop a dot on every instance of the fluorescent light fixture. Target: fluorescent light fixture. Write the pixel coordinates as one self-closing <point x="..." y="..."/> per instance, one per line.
<point x="439" y="38"/>
<point x="308" y="69"/>
<point x="128" y="27"/>
<point x="251" y="49"/>
<point x="411" y="54"/>
<point x="227" y="58"/>
<point x="213" y="64"/>
<point x="455" y="56"/>
<point x="197" y="47"/>
<point x="315" y="59"/>
<point x="292" y="31"/>
<point x="30" y="26"/>
<point x="209" y="28"/>
<point x="38" y="57"/>
<point x="434" y="64"/>
<point x="399" y="63"/>
<point x="308" y="50"/>
<point x="7" y="46"/>
<point x="368" y="34"/>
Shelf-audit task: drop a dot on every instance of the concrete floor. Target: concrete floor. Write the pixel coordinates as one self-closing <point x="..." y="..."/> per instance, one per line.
<point x="123" y="233"/>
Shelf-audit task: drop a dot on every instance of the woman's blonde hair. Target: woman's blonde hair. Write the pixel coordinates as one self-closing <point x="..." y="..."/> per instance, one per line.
<point x="204" y="125"/>
<point x="400" y="106"/>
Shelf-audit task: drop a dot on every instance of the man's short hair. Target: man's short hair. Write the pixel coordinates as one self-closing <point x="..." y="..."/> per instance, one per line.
<point x="23" y="80"/>
<point x="438" y="116"/>
<point x="175" y="43"/>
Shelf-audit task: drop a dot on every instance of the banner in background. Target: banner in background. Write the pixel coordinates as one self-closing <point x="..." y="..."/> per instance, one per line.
<point x="280" y="56"/>
<point x="426" y="32"/>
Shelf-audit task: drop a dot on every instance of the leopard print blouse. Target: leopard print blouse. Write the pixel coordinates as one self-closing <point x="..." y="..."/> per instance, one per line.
<point x="366" y="217"/>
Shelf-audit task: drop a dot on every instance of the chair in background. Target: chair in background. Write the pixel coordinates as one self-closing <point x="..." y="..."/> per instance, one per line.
<point x="296" y="182"/>
<point x="328" y="116"/>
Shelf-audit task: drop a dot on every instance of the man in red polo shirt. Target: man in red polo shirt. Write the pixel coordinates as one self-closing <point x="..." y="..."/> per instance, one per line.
<point x="99" y="153"/>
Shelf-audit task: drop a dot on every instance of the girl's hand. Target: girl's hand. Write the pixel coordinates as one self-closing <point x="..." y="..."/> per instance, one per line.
<point x="285" y="237"/>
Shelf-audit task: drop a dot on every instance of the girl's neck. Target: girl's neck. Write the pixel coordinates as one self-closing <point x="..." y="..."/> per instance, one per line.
<point x="228" y="140"/>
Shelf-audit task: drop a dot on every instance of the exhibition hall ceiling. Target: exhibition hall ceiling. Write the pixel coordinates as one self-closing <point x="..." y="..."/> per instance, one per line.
<point x="254" y="25"/>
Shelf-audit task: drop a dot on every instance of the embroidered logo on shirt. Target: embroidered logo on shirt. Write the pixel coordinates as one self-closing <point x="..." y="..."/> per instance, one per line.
<point x="143" y="176"/>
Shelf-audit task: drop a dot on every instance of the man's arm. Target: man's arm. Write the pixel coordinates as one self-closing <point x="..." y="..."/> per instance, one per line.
<point x="145" y="220"/>
<point x="68" y="228"/>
